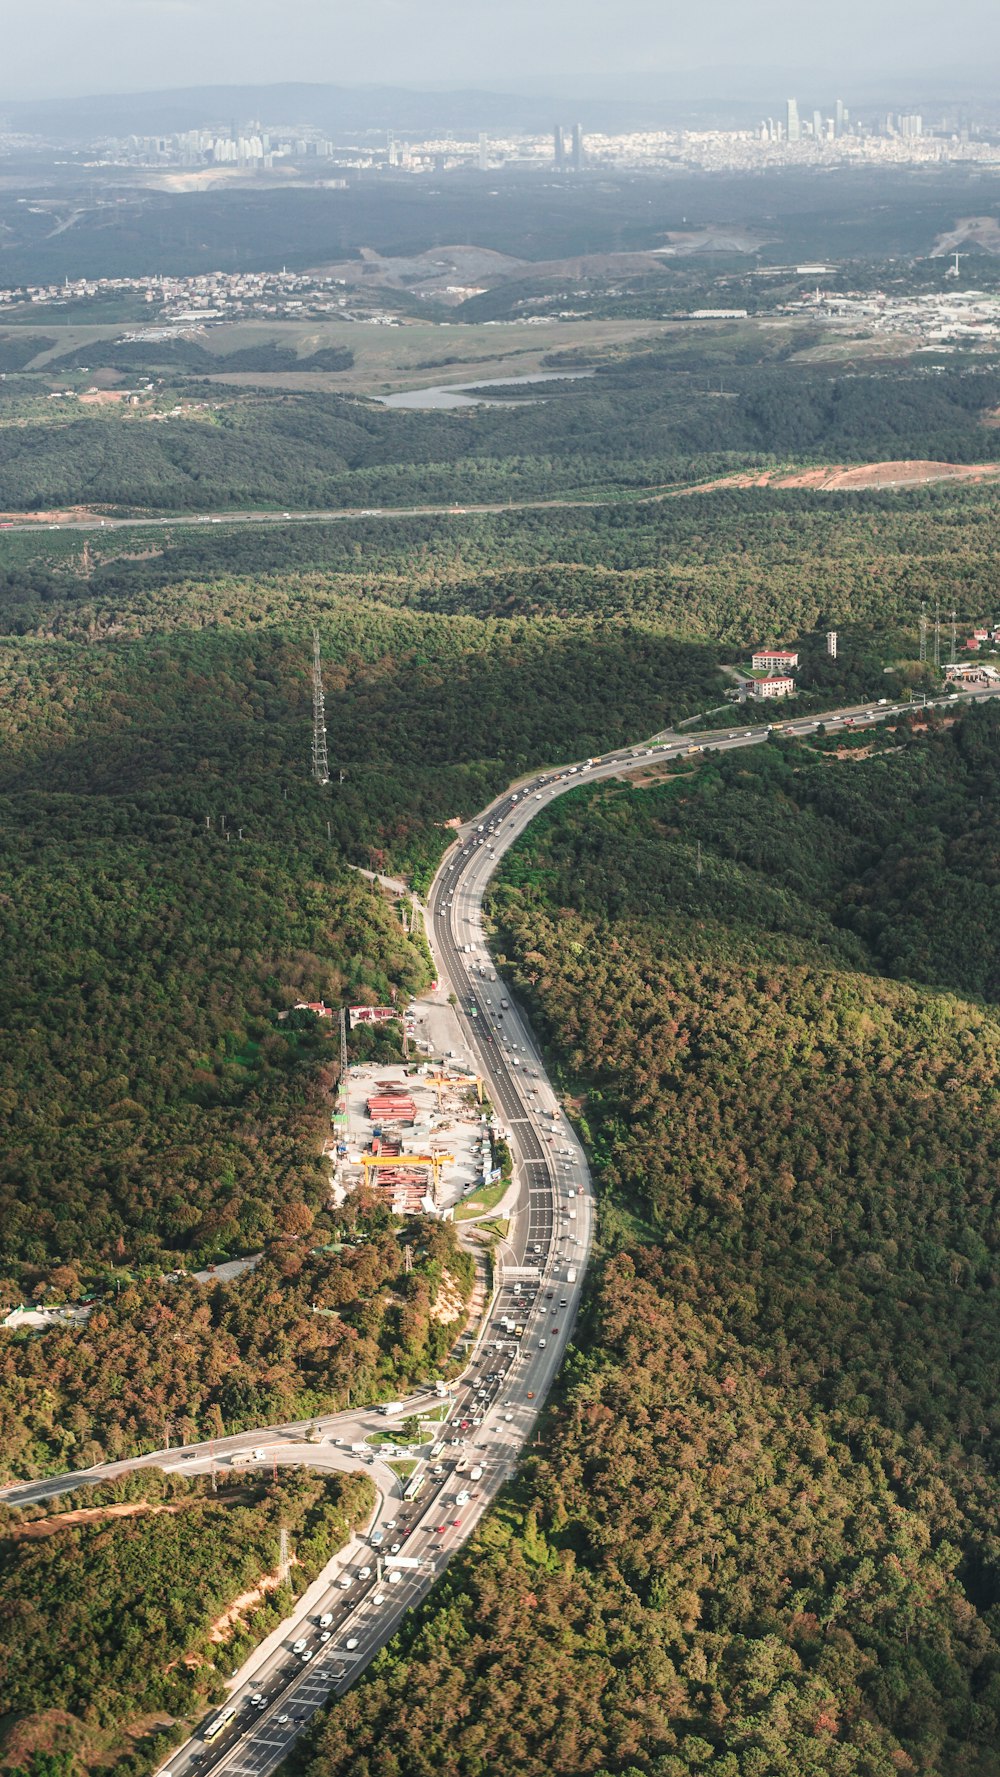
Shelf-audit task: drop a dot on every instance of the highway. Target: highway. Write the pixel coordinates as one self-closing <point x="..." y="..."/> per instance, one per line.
<point x="330" y="515"/>
<point x="539" y="1276"/>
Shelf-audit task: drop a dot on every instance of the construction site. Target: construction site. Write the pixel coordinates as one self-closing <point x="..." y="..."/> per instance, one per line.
<point x="416" y="1134"/>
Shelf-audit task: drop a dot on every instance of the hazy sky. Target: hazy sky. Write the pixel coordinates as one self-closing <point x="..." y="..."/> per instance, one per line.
<point x="86" y="46"/>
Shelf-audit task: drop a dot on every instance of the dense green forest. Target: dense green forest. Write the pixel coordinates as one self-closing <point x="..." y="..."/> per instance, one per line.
<point x="168" y="1112"/>
<point x="172" y="881"/>
<point x="330" y="1313"/>
<point x="644" y="420"/>
<point x="760" y="1533"/>
<point x="108" y="1598"/>
<point x="731" y="566"/>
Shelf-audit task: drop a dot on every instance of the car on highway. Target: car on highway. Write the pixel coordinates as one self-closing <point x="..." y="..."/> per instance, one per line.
<point x="307" y="1656"/>
<point x="455" y="1523"/>
<point x="297" y="1646"/>
<point x="394" y="1548"/>
<point x="325" y="1636"/>
<point x="351" y="1642"/>
<point x="282" y="1720"/>
<point x="541" y="1344"/>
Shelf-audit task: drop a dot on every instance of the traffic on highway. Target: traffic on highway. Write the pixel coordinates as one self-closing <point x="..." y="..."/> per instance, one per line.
<point x="420" y="1521"/>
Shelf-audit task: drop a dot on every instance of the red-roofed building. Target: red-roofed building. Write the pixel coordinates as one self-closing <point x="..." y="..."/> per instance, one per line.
<point x="779" y="660"/>
<point x="775" y="687"/>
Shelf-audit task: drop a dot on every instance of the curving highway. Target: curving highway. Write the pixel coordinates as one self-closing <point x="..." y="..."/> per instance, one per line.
<point x="355" y="1607"/>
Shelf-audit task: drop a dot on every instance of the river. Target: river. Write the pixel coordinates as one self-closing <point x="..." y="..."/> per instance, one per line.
<point x="458" y="394"/>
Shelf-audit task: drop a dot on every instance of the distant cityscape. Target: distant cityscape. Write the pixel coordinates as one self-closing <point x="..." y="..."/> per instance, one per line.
<point x="799" y="136"/>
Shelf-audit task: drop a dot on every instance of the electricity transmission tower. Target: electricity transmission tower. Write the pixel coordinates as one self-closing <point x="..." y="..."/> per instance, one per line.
<point x="923" y="635"/>
<point x="937" y="636"/>
<point x="320" y="763"/>
<point x="284" y="1563"/>
<point x="954" y="639"/>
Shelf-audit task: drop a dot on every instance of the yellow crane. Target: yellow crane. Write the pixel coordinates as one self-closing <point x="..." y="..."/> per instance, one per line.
<point x="440" y="1080"/>
<point x="432" y="1162"/>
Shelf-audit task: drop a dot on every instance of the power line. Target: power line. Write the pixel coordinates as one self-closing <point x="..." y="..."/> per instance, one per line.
<point x="320" y="763"/>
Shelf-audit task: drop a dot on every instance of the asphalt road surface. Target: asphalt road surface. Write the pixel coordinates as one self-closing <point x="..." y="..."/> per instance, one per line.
<point x="521" y="1344"/>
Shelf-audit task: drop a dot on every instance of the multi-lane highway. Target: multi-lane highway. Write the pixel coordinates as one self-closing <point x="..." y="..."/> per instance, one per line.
<point x="529" y="1321"/>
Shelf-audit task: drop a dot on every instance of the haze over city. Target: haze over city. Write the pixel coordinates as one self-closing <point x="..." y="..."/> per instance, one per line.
<point x="724" y="47"/>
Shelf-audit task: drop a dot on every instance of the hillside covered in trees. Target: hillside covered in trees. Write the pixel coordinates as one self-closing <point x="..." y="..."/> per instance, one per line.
<point x="113" y="1621"/>
<point x="173" y="882"/>
<point x="759" y="1535"/>
<point x="654" y="415"/>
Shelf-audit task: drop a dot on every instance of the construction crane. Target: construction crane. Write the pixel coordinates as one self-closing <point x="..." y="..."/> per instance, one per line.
<point x="406" y="1163"/>
<point x="438" y="1081"/>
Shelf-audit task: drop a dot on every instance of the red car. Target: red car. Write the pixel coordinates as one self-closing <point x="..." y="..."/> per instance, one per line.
<point x="455" y="1523"/>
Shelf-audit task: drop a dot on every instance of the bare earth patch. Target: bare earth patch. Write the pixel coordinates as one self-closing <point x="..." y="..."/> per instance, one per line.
<point x="840" y="477"/>
<point x="223" y="1625"/>
<point x="449" y="1304"/>
<point x="86" y="1515"/>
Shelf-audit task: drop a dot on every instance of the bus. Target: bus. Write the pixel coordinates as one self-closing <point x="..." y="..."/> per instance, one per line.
<point x="413" y="1486"/>
<point x="217" y="1724"/>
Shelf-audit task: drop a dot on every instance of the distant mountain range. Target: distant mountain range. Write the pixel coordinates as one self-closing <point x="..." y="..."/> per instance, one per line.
<point x="341" y="112"/>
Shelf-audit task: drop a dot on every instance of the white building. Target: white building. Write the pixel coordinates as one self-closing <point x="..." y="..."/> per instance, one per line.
<point x="781" y="660"/>
<point x="775" y="687"/>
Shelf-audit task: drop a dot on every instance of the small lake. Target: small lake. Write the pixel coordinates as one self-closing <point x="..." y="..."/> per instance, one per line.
<point x="466" y="395"/>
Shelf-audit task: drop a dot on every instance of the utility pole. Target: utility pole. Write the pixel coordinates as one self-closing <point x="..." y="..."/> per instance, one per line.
<point x="320" y="763"/>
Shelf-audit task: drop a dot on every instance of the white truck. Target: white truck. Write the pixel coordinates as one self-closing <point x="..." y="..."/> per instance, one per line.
<point x="389" y="1408"/>
<point x="245" y="1458"/>
<point x="571" y="1274"/>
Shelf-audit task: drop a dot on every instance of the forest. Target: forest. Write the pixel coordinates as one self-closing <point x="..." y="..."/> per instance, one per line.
<point x="646" y="419"/>
<point x="113" y="1601"/>
<point x="759" y="1532"/>
<point x="726" y="567"/>
<point x="334" y="1310"/>
<point x="173" y="882"/>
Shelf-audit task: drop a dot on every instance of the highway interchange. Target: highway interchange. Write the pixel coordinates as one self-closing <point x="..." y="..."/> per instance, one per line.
<point x="539" y="1275"/>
